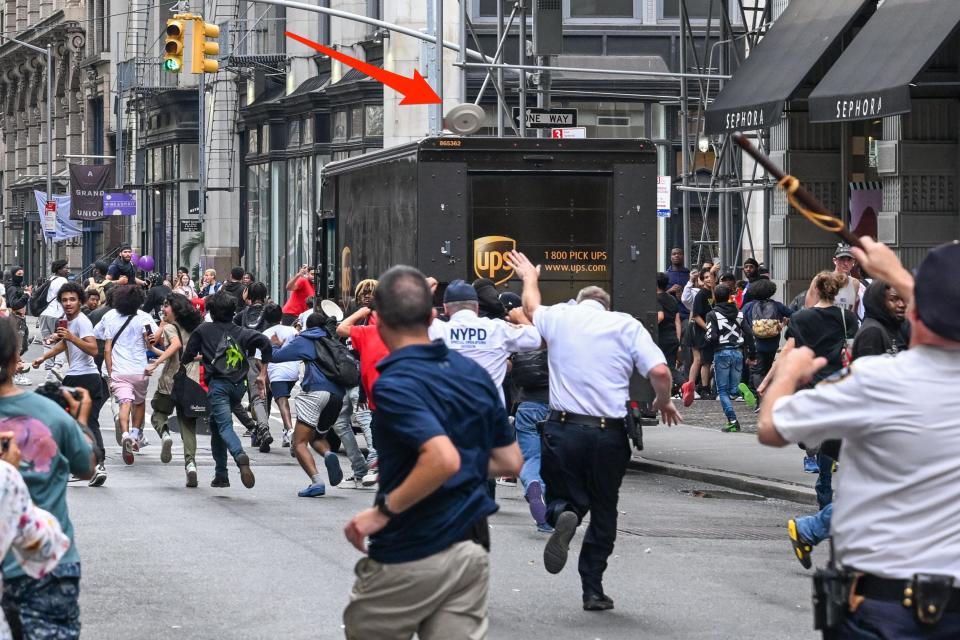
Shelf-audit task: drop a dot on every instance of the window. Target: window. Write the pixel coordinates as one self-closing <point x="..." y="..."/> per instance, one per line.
<point x="339" y="126"/>
<point x="293" y="133"/>
<point x="601" y="9"/>
<point x="308" y="130"/>
<point x="696" y="9"/>
<point x="374" y="120"/>
<point x="253" y="140"/>
<point x="613" y="121"/>
<point x="356" y="123"/>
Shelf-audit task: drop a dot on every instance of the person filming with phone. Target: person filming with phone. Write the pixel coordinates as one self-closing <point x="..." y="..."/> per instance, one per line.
<point x="54" y="443"/>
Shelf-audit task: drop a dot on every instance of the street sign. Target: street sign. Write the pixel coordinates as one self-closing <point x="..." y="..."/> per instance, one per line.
<point x="190" y="226"/>
<point x="568" y="133"/>
<point x="663" y="196"/>
<point x="119" y="203"/>
<point x="537" y="118"/>
<point x="50" y="217"/>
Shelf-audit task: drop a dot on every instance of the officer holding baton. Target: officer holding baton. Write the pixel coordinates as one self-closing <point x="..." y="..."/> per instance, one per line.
<point x="591" y="353"/>
<point x="896" y="519"/>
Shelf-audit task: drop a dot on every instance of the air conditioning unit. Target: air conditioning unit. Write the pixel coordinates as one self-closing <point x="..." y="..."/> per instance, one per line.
<point x="888" y="157"/>
<point x="547" y="27"/>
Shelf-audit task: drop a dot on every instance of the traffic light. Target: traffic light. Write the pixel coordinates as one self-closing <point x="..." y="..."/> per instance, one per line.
<point x="203" y="48"/>
<point x="173" y="47"/>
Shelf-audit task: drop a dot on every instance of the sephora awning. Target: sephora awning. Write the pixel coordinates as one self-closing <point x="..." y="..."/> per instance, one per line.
<point x="872" y="78"/>
<point x="797" y="42"/>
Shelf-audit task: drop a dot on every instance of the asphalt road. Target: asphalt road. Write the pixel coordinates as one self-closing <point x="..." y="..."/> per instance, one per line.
<point x="163" y="561"/>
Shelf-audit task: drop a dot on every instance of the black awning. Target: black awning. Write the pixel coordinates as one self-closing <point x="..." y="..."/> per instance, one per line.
<point x="872" y="78"/>
<point x="798" y="40"/>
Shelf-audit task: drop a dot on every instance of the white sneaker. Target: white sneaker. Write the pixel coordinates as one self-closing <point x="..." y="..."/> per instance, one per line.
<point x="166" y="448"/>
<point x="371" y="478"/>
<point x="504" y="481"/>
<point x="99" y="476"/>
<point x="21" y="380"/>
<point x="287" y="437"/>
<point x="142" y="441"/>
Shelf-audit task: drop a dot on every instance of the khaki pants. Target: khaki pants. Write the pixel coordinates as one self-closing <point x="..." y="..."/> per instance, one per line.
<point x="440" y="597"/>
<point x="163" y="407"/>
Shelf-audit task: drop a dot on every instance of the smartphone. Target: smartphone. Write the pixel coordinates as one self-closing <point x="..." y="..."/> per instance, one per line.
<point x="716" y="260"/>
<point x="62" y="323"/>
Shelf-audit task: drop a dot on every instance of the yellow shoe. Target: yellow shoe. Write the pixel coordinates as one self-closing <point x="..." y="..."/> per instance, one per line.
<point x="801" y="547"/>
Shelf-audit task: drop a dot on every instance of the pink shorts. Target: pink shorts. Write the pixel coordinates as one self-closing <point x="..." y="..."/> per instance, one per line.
<point x="129" y="387"/>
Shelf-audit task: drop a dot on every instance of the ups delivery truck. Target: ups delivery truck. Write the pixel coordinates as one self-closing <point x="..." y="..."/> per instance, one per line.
<point x="454" y="207"/>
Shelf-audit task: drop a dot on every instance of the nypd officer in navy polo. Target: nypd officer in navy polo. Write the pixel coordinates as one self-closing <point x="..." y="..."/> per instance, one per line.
<point x="592" y="353"/>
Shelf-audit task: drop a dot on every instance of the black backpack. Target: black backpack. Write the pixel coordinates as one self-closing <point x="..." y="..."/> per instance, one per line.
<point x="38" y="300"/>
<point x="229" y="360"/>
<point x="765" y="319"/>
<point x="336" y="363"/>
<point x="252" y="318"/>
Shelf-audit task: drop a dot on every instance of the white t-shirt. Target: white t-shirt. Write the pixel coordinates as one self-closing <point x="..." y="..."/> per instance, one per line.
<point x="896" y="511"/>
<point x="281" y="371"/>
<point x="592" y="353"/>
<point x="80" y="363"/>
<point x="129" y="353"/>
<point x="486" y="341"/>
<point x="54" y="309"/>
<point x="302" y="318"/>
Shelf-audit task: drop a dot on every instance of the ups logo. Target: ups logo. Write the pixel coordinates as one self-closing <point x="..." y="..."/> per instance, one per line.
<point x="490" y="257"/>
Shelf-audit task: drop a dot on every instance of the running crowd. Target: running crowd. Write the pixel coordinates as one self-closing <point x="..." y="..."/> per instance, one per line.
<point x="488" y="386"/>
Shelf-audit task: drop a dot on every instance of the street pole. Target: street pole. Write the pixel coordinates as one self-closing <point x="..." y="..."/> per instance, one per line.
<point x="500" y="39"/>
<point x="49" y="142"/>
<point x="201" y="139"/>
<point x="522" y="56"/>
<point x="684" y="134"/>
<point x="438" y="64"/>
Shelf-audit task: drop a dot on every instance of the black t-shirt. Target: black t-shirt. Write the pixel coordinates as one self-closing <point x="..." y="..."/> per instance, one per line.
<point x="120" y="267"/>
<point x="154" y="299"/>
<point x="667" y="330"/>
<point x="702" y="305"/>
<point x="822" y="329"/>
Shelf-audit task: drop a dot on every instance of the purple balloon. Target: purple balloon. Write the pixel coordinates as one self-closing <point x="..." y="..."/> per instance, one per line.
<point x="146" y="263"/>
<point x="134" y="258"/>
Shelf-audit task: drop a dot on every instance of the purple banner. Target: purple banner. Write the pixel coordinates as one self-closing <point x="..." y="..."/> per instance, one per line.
<point x="119" y="203"/>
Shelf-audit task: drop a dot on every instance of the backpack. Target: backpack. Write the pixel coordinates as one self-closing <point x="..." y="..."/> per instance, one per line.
<point x="229" y="360"/>
<point x="190" y="399"/>
<point x="765" y="319"/>
<point x="336" y="363"/>
<point x="38" y="301"/>
<point x="252" y="318"/>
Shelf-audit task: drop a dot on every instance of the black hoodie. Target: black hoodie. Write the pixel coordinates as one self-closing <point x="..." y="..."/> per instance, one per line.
<point x="880" y="332"/>
<point x="725" y="327"/>
<point x="236" y="289"/>
<point x="17" y="298"/>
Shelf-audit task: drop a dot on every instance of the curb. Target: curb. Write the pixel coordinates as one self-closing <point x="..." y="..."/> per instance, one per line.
<point x="740" y="482"/>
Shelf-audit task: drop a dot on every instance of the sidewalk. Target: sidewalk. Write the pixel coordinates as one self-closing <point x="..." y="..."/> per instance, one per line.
<point x="734" y="460"/>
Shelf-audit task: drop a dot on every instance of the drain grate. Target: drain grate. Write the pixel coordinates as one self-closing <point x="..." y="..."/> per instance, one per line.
<point x="709" y="533"/>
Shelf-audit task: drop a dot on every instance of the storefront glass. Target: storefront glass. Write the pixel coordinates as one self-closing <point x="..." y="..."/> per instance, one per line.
<point x="258" y="255"/>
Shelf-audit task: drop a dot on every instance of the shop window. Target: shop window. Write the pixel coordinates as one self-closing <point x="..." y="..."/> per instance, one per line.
<point x="374" y="120"/>
<point x="613" y="121"/>
<point x="339" y="126"/>
<point x="696" y="9"/>
<point x="601" y="9"/>
<point x="356" y="123"/>
<point x="293" y="133"/>
<point x="253" y="140"/>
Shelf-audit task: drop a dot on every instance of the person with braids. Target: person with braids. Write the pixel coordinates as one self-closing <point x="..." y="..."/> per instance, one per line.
<point x="179" y="320"/>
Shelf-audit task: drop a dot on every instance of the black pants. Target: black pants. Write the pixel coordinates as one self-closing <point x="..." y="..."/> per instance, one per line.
<point x="762" y="367"/>
<point x="582" y="468"/>
<point x="94" y="385"/>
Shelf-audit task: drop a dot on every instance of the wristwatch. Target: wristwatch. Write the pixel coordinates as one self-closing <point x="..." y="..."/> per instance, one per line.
<point x="381" y="503"/>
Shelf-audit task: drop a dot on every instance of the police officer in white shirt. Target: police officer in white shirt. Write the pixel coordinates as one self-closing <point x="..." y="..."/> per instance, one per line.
<point x="896" y="519"/>
<point x="592" y="353"/>
<point x="487" y="341"/>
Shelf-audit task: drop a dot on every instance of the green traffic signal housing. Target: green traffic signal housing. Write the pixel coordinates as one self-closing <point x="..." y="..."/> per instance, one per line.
<point x="173" y="46"/>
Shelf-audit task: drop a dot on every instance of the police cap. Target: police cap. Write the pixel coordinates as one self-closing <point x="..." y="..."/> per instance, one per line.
<point x="937" y="291"/>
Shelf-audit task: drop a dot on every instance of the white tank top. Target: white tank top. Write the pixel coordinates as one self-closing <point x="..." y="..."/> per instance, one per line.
<point x="848" y="295"/>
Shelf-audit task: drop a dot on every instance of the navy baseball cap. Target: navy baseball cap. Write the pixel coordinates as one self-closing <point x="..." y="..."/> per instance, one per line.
<point x="459" y="291"/>
<point x="510" y="300"/>
<point x="938" y="297"/>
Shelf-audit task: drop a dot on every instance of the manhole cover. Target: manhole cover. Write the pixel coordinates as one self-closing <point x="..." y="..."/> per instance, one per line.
<point x="721" y="495"/>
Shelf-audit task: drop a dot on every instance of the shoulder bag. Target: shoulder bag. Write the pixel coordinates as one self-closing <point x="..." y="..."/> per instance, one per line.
<point x="188" y="396"/>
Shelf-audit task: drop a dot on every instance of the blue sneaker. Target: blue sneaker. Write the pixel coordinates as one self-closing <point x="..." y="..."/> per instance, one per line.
<point x="313" y="491"/>
<point x="334" y="472"/>
<point x="543" y="527"/>
<point x="810" y="464"/>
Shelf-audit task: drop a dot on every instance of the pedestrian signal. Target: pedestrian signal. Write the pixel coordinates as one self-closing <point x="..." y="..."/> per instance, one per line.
<point x="202" y="47"/>
<point x="173" y="47"/>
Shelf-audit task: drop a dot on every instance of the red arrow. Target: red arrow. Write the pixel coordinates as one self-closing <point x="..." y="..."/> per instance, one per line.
<point x="415" y="89"/>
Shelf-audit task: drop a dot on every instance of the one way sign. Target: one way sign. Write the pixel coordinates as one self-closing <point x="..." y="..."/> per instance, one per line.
<point x="537" y="118"/>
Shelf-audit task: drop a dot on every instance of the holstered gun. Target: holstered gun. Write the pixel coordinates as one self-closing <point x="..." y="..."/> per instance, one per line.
<point x="634" y="424"/>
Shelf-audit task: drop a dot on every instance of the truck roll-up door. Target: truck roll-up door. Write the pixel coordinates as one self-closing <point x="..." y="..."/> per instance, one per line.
<point x="442" y="220"/>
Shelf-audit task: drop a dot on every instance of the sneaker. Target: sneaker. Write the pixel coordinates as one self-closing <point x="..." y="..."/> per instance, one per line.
<point x="595" y="602"/>
<point x="265" y="440"/>
<point x="334" y="472"/>
<point x="220" y="482"/>
<point x="687" y="391"/>
<point x="248" y="433"/>
<point x="504" y="481"/>
<point x="747" y="395"/>
<point x="313" y="491"/>
<point x="191" y="470"/>
<point x="246" y="474"/>
<point x="534" y="496"/>
<point x="810" y="465"/>
<point x="128" y="444"/>
<point x="737" y="399"/>
<point x="99" y="476"/>
<point x="372" y="478"/>
<point x="166" y="448"/>
<point x="142" y="441"/>
<point x="543" y="527"/>
<point x="287" y="437"/>
<point x="357" y="482"/>
<point x="555" y="553"/>
<point x="21" y="380"/>
<point x="801" y="548"/>
<point x="732" y="427"/>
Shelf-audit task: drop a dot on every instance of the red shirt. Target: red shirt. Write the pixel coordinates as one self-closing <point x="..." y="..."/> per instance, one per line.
<point x="297" y="302"/>
<point x="366" y="342"/>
